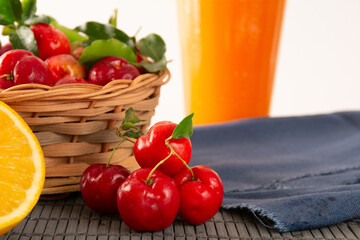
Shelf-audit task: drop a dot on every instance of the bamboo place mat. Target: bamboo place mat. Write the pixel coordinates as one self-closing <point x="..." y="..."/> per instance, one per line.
<point x="70" y="218"/>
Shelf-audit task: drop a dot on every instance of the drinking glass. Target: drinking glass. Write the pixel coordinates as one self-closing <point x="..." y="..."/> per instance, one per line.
<point x="229" y="50"/>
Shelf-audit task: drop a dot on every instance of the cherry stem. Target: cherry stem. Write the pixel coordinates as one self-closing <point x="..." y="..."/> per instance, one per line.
<point x="128" y="139"/>
<point x="113" y="151"/>
<point x="172" y="151"/>
<point x="154" y="168"/>
<point x="9" y="76"/>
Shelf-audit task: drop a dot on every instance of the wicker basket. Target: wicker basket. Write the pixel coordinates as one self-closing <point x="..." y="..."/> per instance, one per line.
<point x="75" y="124"/>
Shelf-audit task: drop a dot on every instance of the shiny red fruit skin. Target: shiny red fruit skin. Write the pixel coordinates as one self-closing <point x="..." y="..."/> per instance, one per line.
<point x="71" y="79"/>
<point x="63" y="65"/>
<point x="50" y="40"/>
<point x="150" y="149"/>
<point x="201" y="198"/>
<point x="5" y="83"/>
<point x="99" y="185"/>
<point x="145" y="207"/>
<point x="32" y="69"/>
<point x="9" y="59"/>
<point x="111" y="68"/>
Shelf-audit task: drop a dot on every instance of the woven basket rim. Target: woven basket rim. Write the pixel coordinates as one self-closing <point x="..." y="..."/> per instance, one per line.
<point x="75" y="123"/>
<point x="33" y="91"/>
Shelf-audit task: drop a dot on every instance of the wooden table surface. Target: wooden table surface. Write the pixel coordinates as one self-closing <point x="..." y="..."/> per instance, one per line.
<point x="70" y="218"/>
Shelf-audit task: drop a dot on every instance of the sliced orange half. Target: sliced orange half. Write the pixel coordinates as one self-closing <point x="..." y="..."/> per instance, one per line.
<point x="22" y="169"/>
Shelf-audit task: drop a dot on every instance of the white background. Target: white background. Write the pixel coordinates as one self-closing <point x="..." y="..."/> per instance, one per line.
<point x="319" y="61"/>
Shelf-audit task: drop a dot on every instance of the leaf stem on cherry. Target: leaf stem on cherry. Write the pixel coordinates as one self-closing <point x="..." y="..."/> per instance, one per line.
<point x="127" y="130"/>
<point x="148" y="179"/>
<point x="113" y="151"/>
<point x="128" y="139"/>
<point x="172" y="151"/>
<point x="183" y="130"/>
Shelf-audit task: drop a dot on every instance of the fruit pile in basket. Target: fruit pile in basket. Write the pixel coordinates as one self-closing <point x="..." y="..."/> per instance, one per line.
<point x="42" y="51"/>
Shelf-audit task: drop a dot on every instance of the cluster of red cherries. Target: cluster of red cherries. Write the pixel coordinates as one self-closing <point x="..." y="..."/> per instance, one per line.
<point x="150" y="198"/>
<point x="57" y="63"/>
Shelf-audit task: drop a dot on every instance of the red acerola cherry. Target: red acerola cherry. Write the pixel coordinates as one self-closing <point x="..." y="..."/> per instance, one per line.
<point x="50" y="40"/>
<point x="9" y="59"/>
<point x="99" y="184"/>
<point x="65" y="65"/>
<point x="111" y="68"/>
<point x="150" y="148"/>
<point x="32" y="69"/>
<point x="148" y="206"/>
<point x="201" y="197"/>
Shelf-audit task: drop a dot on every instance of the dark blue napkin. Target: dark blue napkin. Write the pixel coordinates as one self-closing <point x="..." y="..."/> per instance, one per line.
<point x="292" y="173"/>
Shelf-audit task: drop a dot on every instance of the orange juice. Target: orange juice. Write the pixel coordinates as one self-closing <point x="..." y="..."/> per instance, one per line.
<point x="229" y="50"/>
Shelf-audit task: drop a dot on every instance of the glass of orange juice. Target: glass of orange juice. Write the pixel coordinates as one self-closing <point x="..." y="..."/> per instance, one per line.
<point x="229" y="50"/>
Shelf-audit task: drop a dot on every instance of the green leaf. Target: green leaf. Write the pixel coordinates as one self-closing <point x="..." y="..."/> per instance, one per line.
<point x="28" y="9"/>
<point x="133" y="134"/>
<point x="23" y="38"/>
<point x="152" y="46"/>
<point x="72" y="35"/>
<point x="7" y="30"/>
<point x="154" y="66"/>
<point x="130" y="116"/>
<point x="113" y="18"/>
<point x="97" y="31"/>
<point x="103" y="48"/>
<point x="127" y="125"/>
<point x="3" y="22"/>
<point x="37" y="19"/>
<point x="10" y="10"/>
<point x="184" y="129"/>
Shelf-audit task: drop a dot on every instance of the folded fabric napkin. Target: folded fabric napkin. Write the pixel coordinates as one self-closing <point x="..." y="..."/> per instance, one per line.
<point x="292" y="173"/>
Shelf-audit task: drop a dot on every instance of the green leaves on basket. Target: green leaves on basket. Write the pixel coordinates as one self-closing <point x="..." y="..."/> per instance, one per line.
<point x="113" y="42"/>
<point x="153" y="47"/>
<point x="28" y="8"/>
<point x="10" y="11"/>
<point x="107" y="40"/>
<point x="128" y="129"/>
<point x="102" y="48"/>
<point x="100" y="40"/>
<point x="23" y="38"/>
<point x="96" y="31"/>
<point x="73" y="35"/>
